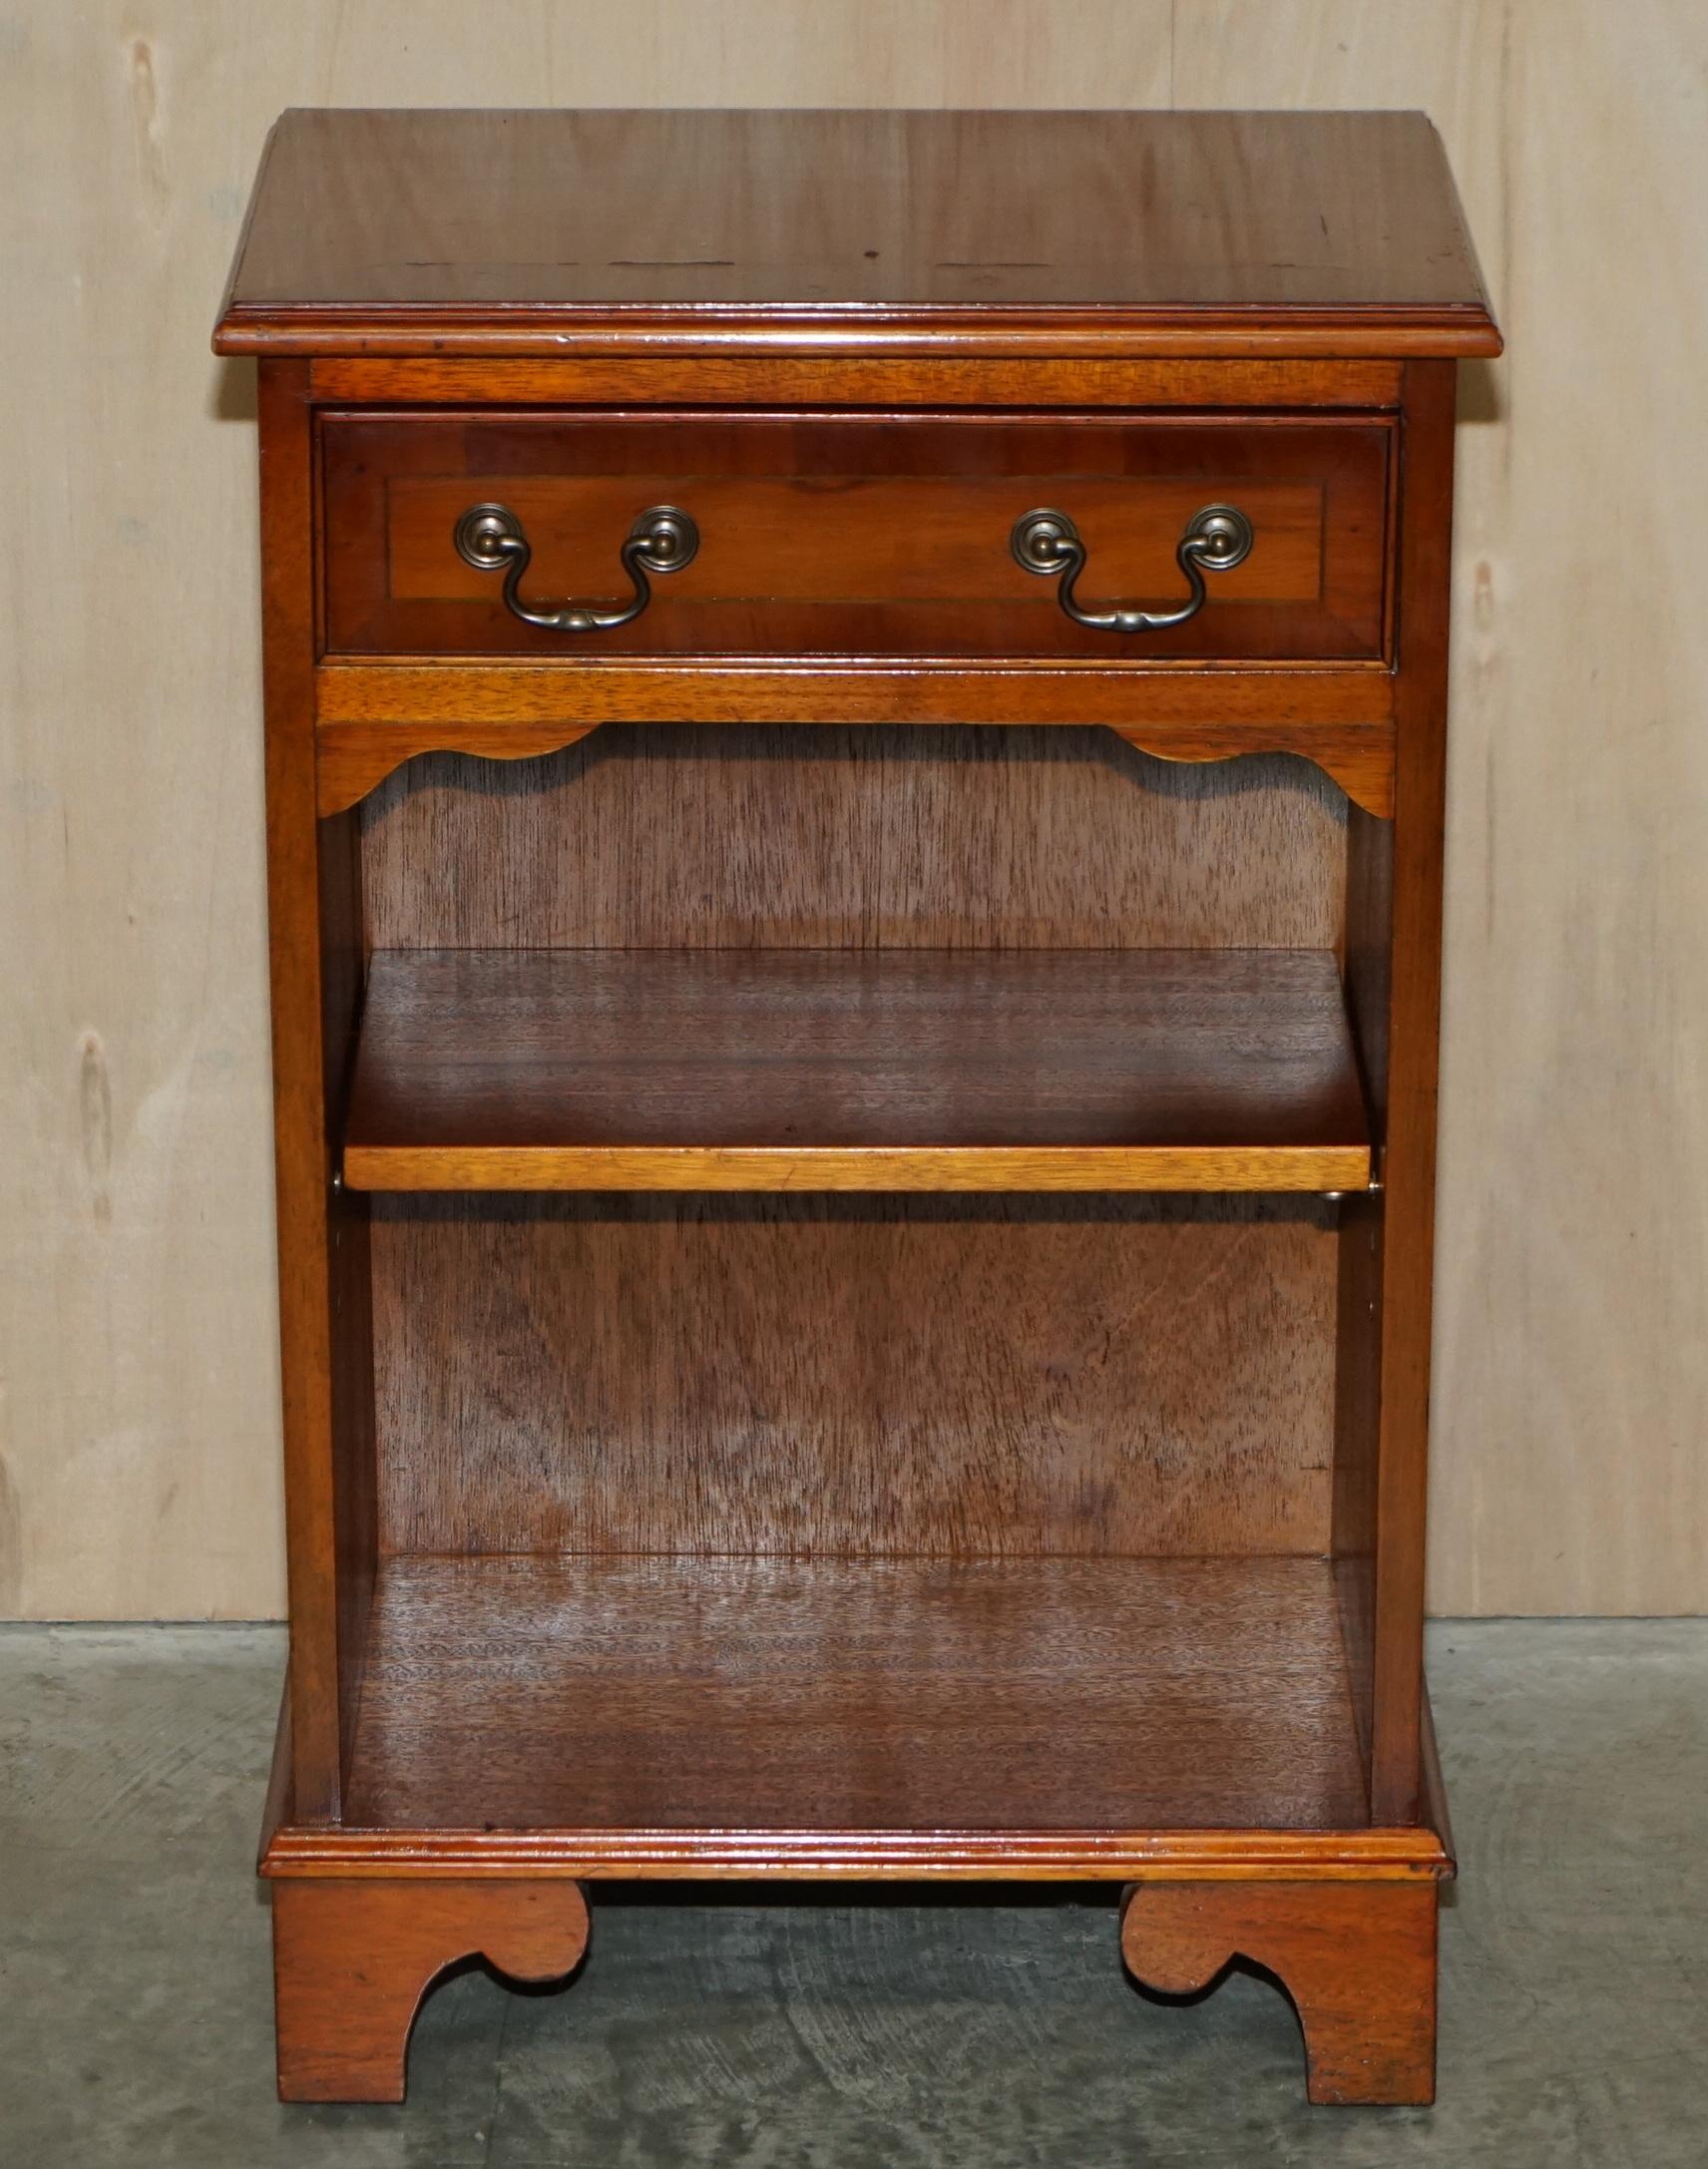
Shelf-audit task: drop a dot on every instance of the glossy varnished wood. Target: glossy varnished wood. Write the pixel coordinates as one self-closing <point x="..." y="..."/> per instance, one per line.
<point x="634" y="1694"/>
<point x="836" y="547"/>
<point x="1358" y="1961"/>
<point x="770" y="836"/>
<point x="1162" y="1069"/>
<point x="837" y="534"/>
<point x="1208" y="233"/>
<point x="352" y="1960"/>
<point x="1403" y="866"/>
<point x="1019" y="1340"/>
<point x="315" y="912"/>
<point x="1364" y="1854"/>
<point x="993" y="1535"/>
<point x="857" y="380"/>
<point x="990" y="1377"/>
<point x="375" y="716"/>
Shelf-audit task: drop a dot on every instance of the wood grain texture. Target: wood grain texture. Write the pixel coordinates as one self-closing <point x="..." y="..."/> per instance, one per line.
<point x="1193" y="711"/>
<point x="1403" y="1312"/>
<point x="140" y="1429"/>
<point x="732" y="836"/>
<point x="375" y="716"/>
<point x="352" y="1960"/>
<point x="1357" y="1435"/>
<point x="1578" y="869"/>
<point x="400" y="1165"/>
<point x="1357" y="1959"/>
<point x="549" y="1069"/>
<point x="139" y="1457"/>
<point x="1361" y="1855"/>
<point x="855" y="1376"/>
<point x="314" y="917"/>
<point x="836" y="535"/>
<point x="139" y="1418"/>
<point x="1326" y="233"/>
<point x="876" y="1689"/>
<point x="1572" y="1366"/>
<point x="735" y="1694"/>
<point x="868" y="380"/>
<point x="355" y="758"/>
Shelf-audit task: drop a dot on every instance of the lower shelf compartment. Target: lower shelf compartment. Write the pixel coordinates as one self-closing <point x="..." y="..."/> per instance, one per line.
<point x="1011" y="1697"/>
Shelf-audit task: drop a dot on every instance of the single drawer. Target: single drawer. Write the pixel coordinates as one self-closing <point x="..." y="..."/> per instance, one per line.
<point x="857" y="534"/>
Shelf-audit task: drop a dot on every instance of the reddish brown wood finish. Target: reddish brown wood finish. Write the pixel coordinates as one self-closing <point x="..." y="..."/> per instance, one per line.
<point x="1149" y="1564"/>
<point x="1405" y="1066"/>
<point x="1360" y="1855"/>
<point x="541" y="232"/>
<point x="1357" y="1959"/>
<point x="352" y="1960"/>
<point x="1358" y="1357"/>
<point x="375" y="716"/>
<point x="627" y="1694"/>
<point x="551" y="1068"/>
<point x="870" y="837"/>
<point x="871" y="535"/>
<point x="314" y="911"/>
<point x="853" y="380"/>
<point x="991" y="1377"/>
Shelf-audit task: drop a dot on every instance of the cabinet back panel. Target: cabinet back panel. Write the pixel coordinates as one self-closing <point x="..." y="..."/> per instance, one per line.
<point x="874" y="1375"/>
<point x="813" y="836"/>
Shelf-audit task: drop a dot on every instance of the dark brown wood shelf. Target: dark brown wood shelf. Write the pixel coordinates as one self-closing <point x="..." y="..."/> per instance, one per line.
<point x="906" y="1694"/>
<point x="820" y="1069"/>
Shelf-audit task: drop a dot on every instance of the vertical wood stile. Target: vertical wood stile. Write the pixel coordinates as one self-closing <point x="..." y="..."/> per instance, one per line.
<point x="325" y="1339"/>
<point x="1413" y="1036"/>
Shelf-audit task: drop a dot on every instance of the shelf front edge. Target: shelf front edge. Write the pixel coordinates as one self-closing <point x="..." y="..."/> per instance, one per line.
<point x="1182" y="1856"/>
<point x="877" y="1167"/>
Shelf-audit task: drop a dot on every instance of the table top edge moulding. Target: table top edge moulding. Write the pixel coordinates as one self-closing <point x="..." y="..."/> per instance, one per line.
<point x="1366" y="254"/>
<point x="855" y="1186"/>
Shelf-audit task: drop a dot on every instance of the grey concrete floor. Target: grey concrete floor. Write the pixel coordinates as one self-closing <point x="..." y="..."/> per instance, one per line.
<point x="135" y="2000"/>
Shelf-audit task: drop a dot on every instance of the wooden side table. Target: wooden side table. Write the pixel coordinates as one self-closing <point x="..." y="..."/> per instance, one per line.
<point x="855" y="1195"/>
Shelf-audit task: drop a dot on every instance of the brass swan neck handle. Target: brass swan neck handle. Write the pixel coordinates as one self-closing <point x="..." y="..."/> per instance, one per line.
<point x="491" y="537"/>
<point x="1047" y="543"/>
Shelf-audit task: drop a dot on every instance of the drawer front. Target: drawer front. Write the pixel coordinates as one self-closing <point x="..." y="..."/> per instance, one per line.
<point x="855" y="535"/>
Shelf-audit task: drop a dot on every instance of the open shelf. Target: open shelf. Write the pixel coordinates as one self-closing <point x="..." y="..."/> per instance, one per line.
<point x="632" y="1694"/>
<point x="821" y="1069"/>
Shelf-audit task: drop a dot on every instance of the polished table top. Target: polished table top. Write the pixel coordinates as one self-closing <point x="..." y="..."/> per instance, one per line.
<point x="1178" y="225"/>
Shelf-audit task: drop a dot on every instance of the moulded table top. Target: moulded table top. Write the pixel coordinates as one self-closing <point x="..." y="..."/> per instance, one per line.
<point x="1178" y="233"/>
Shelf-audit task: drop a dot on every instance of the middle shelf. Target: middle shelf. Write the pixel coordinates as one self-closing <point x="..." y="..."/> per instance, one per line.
<point x="855" y="1069"/>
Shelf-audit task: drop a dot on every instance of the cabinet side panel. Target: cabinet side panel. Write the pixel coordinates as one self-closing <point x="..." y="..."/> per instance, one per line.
<point x="1358" y="1415"/>
<point x="712" y="836"/>
<point x="858" y="1376"/>
<point x="1357" y="1367"/>
<point x="314" y="935"/>
<point x="349" y="1276"/>
<point x="1409" y="1087"/>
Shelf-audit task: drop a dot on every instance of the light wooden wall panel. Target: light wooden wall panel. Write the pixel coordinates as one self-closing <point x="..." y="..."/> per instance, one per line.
<point x="138" y="1366"/>
<point x="137" y="1433"/>
<point x="1571" y="1374"/>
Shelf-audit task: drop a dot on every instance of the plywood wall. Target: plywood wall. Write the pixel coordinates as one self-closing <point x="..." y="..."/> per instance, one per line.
<point x="137" y="1434"/>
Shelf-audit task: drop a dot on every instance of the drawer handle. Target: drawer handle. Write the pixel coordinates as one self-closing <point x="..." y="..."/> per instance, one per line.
<point x="1047" y="543"/>
<point x="663" y="539"/>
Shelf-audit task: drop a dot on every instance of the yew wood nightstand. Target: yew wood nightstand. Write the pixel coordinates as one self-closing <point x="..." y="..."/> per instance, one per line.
<point x="854" y="1189"/>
